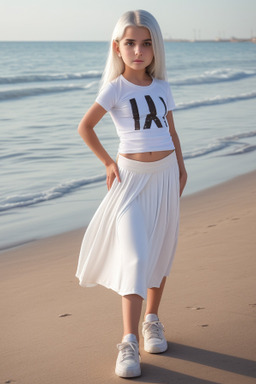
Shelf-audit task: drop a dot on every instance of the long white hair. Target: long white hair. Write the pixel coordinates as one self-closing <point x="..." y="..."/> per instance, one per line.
<point x="140" y="18"/>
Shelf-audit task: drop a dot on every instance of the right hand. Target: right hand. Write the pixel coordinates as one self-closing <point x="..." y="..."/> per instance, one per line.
<point x="112" y="173"/>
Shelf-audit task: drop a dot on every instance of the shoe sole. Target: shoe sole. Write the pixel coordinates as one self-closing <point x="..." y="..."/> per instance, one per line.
<point x="132" y="373"/>
<point x="156" y="349"/>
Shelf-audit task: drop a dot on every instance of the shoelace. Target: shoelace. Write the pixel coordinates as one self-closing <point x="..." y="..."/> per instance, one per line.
<point x="128" y="350"/>
<point x="154" y="328"/>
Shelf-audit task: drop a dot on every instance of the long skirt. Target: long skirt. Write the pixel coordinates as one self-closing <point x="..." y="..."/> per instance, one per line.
<point x="130" y="242"/>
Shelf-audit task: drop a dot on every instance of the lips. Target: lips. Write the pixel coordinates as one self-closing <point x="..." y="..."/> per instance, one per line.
<point x="138" y="61"/>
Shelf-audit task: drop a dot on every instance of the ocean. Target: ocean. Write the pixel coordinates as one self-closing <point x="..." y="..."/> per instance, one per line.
<point x="50" y="182"/>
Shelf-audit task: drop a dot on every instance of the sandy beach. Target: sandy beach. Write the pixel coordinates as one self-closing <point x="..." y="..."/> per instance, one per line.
<point x="53" y="331"/>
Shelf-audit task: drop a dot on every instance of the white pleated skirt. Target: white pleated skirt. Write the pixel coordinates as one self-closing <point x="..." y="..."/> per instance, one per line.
<point x="130" y="242"/>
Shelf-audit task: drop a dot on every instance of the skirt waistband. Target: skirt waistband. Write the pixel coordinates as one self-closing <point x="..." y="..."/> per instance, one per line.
<point x="145" y="166"/>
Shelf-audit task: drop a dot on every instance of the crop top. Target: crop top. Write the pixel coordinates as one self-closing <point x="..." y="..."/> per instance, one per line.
<point x="139" y="114"/>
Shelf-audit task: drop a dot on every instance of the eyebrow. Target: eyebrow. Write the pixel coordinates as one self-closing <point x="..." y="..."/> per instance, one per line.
<point x="135" y="40"/>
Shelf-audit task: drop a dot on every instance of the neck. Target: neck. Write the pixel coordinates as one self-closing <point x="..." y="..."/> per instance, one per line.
<point x="137" y="77"/>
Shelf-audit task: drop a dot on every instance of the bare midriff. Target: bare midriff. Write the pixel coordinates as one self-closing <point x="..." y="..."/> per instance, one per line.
<point x="147" y="156"/>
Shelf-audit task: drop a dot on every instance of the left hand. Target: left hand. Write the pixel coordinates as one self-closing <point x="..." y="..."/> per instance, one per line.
<point x="183" y="181"/>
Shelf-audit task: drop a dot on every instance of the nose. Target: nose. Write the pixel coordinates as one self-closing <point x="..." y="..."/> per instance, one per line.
<point x="138" y="50"/>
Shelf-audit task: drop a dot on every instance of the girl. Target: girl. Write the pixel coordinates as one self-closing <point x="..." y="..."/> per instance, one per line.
<point x="130" y="243"/>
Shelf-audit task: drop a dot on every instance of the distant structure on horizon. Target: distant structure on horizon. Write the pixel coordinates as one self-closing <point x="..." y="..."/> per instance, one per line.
<point x="217" y="40"/>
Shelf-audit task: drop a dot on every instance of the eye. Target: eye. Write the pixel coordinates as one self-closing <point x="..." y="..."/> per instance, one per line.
<point x="147" y="44"/>
<point x="129" y="43"/>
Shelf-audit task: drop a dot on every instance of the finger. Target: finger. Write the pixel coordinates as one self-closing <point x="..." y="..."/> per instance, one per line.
<point x="118" y="176"/>
<point x="111" y="179"/>
<point x="108" y="183"/>
<point x="182" y="187"/>
<point x="116" y="171"/>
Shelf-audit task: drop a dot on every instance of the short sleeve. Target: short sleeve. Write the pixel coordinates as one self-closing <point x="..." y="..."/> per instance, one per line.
<point x="106" y="97"/>
<point x="170" y="102"/>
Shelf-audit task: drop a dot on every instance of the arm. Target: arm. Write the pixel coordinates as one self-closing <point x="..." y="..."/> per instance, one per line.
<point x="86" y="131"/>
<point x="176" y="142"/>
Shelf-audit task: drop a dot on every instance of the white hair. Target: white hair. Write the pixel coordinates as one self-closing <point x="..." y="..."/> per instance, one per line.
<point x="140" y="18"/>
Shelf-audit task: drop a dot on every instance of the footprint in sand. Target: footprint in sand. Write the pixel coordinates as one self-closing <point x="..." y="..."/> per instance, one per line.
<point x="65" y="314"/>
<point x="196" y="308"/>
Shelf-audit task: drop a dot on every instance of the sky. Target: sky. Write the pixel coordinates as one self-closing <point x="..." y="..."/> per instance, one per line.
<point x="94" y="20"/>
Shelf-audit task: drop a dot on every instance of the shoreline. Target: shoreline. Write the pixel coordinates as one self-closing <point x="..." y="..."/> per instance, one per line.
<point x="53" y="331"/>
<point x="6" y="248"/>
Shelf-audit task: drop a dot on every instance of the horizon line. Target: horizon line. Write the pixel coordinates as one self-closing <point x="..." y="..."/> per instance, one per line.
<point x="217" y="39"/>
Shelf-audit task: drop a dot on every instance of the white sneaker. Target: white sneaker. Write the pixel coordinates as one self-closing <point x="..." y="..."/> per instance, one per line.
<point x="128" y="359"/>
<point x="153" y="332"/>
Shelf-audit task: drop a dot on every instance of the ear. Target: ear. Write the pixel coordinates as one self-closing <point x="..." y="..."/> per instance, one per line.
<point x="116" y="48"/>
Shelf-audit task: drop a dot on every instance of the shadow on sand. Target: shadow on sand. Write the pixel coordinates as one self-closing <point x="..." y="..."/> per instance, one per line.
<point x="154" y="374"/>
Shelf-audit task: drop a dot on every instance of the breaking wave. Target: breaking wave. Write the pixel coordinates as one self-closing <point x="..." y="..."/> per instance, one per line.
<point x="18" y="201"/>
<point x="233" y="142"/>
<point x="216" y="100"/>
<point x="11" y="94"/>
<point x="17" y="79"/>
<point x="215" y="76"/>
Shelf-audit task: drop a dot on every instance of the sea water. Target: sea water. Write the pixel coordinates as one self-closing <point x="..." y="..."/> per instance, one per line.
<point x="50" y="182"/>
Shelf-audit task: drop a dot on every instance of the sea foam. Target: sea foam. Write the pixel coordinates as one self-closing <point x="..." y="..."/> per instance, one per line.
<point x="233" y="142"/>
<point x="20" y="93"/>
<point x="34" y="78"/>
<point x="24" y="200"/>
<point x="216" y="100"/>
<point x="215" y="76"/>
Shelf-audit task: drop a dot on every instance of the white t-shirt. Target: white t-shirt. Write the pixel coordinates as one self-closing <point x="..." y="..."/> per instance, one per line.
<point x="139" y="114"/>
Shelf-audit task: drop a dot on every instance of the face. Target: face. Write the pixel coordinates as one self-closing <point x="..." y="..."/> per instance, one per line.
<point x="135" y="48"/>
